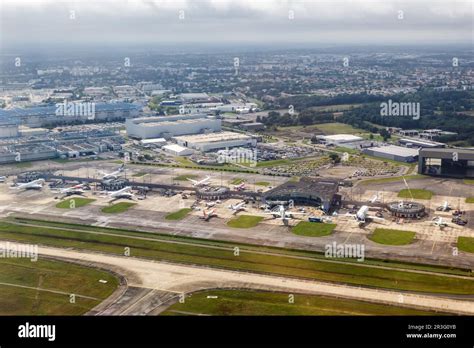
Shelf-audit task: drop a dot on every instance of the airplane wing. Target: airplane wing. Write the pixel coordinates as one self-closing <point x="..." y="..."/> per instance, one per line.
<point x="375" y="218"/>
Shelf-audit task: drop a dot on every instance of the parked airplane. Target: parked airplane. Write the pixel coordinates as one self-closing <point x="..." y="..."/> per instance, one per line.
<point x="32" y="185"/>
<point x="237" y="207"/>
<point x="201" y="182"/>
<point x="439" y="221"/>
<point x="113" y="175"/>
<point x="122" y="193"/>
<point x="283" y="214"/>
<point x="207" y="214"/>
<point x="363" y="214"/>
<point x="375" y="198"/>
<point x="444" y="207"/>
<point x="73" y="190"/>
<point x="240" y="187"/>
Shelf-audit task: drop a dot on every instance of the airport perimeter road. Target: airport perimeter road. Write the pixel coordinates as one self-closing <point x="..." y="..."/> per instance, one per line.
<point x="174" y="278"/>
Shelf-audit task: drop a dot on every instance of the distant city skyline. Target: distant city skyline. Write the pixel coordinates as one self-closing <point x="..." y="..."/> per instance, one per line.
<point x="213" y="22"/>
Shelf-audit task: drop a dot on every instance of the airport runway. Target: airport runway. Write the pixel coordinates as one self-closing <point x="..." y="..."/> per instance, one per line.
<point x="421" y="251"/>
<point x="167" y="278"/>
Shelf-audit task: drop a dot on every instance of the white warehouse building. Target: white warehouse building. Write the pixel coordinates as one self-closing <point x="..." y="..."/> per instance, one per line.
<point x="213" y="141"/>
<point x="170" y="126"/>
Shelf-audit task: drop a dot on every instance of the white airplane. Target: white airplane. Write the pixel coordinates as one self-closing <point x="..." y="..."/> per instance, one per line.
<point x="282" y="213"/>
<point x="363" y="214"/>
<point x="207" y="214"/>
<point x="73" y="190"/>
<point x="32" y="185"/>
<point x="375" y="198"/>
<point x="439" y="221"/>
<point x="240" y="187"/>
<point x="444" y="207"/>
<point x="201" y="182"/>
<point x="113" y="175"/>
<point x="122" y="193"/>
<point x="237" y="207"/>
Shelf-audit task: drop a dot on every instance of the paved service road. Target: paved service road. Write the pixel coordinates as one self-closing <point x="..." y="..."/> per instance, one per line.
<point x="174" y="278"/>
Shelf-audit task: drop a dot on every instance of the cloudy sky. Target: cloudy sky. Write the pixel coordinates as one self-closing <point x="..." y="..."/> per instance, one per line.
<point x="279" y="22"/>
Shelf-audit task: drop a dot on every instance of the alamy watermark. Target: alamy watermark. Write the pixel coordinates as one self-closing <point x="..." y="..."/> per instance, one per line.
<point x="17" y="251"/>
<point x="238" y="156"/>
<point x="392" y="108"/>
<point x="335" y="250"/>
<point x="76" y="109"/>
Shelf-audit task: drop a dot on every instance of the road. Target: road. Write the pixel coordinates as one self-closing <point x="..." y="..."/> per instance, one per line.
<point x="181" y="279"/>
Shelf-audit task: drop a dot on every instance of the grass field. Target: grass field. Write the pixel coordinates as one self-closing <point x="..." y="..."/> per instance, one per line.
<point x="337" y="128"/>
<point x="469" y="181"/>
<point x="178" y="215"/>
<point x="392" y="237"/>
<point x="466" y="244"/>
<point x="245" y="221"/>
<point x="246" y="302"/>
<point x="313" y="229"/>
<point x="262" y="183"/>
<point x="73" y="203"/>
<point x="237" y="181"/>
<point x="117" y="208"/>
<point x="139" y="174"/>
<point x="23" y="165"/>
<point x="416" y="193"/>
<point x="470" y="200"/>
<point x="44" y="275"/>
<point x="185" y="177"/>
<point x="346" y="149"/>
<point x="296" y="263"/>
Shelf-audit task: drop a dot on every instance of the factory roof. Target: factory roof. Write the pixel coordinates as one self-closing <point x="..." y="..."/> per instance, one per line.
<point x="463" y="154"/>
<point x="51" y="109"/>
<point x="422" y="142"/>
<point x="153" y="141"/>
<point x="340" y="137"/>
<point x="212" y="137"/>
<point x="395" y="150"/>
<point x="175" y="147"/>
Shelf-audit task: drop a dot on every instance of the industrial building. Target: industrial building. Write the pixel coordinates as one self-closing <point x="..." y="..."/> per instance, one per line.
<point x="64" y="144"/>
<point x="393" y="152"/>
<point x="47" y="115"/>
<point x="314" y="192"/>
<point x="170" y="126"/>
<point x="177" y="150"/>
<point x="458" y="163"/>
<point x="338" y="139"/>
<point x="410" y="142"/>
<point x="214" y="141"/>
<point x="9" y="130"/>
<point x="153" y="143"/>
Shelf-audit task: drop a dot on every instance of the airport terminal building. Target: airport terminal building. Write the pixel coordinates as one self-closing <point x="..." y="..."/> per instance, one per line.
<point x="313" y="192"/>
<point x="457" y="163"/>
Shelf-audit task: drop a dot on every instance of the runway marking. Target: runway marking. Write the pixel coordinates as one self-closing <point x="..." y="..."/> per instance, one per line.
<point x="50" y="290"/>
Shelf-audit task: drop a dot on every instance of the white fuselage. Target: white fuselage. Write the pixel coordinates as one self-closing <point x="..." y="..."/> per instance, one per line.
<point x="123" y="193"/>
<point x="362" y="213"/>
<point x="32" y="185"/>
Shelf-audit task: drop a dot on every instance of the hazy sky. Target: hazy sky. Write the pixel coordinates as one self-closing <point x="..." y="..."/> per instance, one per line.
<point x="49" y="22"/>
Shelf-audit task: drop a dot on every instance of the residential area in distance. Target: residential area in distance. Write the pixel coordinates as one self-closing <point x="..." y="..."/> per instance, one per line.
<point x="298" y="179"/>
